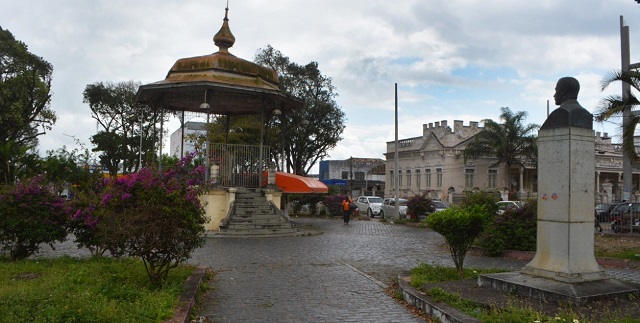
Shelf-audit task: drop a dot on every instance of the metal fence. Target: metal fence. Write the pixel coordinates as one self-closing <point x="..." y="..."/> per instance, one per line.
<point x="239" y="165"/>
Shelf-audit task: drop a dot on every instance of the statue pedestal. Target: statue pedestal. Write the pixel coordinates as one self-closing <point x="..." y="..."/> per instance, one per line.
<point x="564" y="269"/>
<point x="566" y="171"/>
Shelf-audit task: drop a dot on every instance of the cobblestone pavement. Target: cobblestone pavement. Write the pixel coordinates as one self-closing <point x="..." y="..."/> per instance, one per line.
<point x="339" y="275"/>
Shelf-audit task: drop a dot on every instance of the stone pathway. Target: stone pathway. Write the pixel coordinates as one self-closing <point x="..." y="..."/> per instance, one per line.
<point x="339" y="275"/>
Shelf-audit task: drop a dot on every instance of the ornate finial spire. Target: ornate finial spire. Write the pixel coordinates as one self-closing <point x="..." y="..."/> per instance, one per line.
<point x="224" y="39"/>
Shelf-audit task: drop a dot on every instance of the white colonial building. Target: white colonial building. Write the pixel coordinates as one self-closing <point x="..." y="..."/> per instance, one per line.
<point x="434" y="164"/>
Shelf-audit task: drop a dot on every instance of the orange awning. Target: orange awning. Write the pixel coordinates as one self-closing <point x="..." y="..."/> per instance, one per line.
<point x="291" y="183"/>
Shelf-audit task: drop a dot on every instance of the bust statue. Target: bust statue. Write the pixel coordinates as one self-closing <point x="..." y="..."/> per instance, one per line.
<point x="569" y="113"/>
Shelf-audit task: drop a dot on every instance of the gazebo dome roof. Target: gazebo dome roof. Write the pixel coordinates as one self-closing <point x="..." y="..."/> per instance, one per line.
<point x="222" y="66"/>
<point x="230" y="85"/>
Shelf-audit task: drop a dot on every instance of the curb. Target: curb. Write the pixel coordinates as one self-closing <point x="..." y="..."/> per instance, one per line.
<point x="442" y="312"/>
<point x="188" y="297"/>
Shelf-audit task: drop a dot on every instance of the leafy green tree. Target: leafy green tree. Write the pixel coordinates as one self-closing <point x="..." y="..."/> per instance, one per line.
<point x="614" y="105"/>
<point x="460" y="227"/>
<point x="304" y="135"/>
<point x="120" y="120"/>
<point x="511" y="141"/>
<point x="25" y="95"/>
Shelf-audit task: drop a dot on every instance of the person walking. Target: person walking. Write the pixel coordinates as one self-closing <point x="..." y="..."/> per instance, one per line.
<point x="346" y="210"/>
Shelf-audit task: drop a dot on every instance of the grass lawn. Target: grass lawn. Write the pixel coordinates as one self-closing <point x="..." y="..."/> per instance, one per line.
<point x="86" y="290"/>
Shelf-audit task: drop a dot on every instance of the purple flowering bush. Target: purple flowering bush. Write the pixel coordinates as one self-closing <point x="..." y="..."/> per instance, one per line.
<point x="151" y="215"/>
<point x="30" y="214"/>
<point x="334" y="204"/>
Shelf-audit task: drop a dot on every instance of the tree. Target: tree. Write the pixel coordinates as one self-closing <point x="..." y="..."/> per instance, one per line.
<point x="614" y="105"/>
<point x="120" y="119"/>
<point x="25" y="94"/>
<point x="305" y="143"/>
<point x="459" y="227"/>
<point x="511" y="141"/>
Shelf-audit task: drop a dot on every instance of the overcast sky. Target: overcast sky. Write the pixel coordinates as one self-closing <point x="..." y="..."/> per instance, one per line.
<point x="452" y="60"/>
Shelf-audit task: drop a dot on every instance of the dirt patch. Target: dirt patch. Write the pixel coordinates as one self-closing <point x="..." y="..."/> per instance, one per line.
<point x="611" y="244"/>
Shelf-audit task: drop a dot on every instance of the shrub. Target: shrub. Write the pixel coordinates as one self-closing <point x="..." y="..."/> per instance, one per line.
<point x="419" y="205"/>
<point x="154" y="216"/>
<point x="30" y="214"/>
<point x="460" y="227"/>
<point x="518" y="227"/>
<point x="334" y="204"/>
<point x="485" y="198"/>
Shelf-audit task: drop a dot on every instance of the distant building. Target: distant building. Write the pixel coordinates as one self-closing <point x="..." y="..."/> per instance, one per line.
<point x="176" y="145"/>
<point x="356" y="176"/>
<point x="434" y="164"/>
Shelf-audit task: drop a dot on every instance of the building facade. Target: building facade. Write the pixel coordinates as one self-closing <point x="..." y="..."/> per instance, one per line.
<point x="358" y="176"/>
<point x="434" y="164"/>
<point x="184" y="144"/>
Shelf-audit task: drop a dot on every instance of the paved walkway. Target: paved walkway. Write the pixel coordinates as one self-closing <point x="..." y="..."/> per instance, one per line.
<point x="339" y="275"/>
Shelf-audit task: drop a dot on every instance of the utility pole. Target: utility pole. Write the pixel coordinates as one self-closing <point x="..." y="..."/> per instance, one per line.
<point x="627" y="171"/>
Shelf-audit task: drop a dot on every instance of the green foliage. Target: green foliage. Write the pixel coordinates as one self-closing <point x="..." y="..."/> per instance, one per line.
<point x="86" y="290"/>
<point x="122" y="122"/>
<point x="517" y="227"/>
<point x="311" y="200"/>
<point x="615" y="105"/>
<point x="419" y="205"/>
<point x="485" y="198"/>
<point x="510" y="141"/>
<point x="460" y="227"/>
<point x="305" y="143"/>
<point x="334" y="204"/>
<point x="425" y="273"/>
<point x="30" y="215"/>
<point x="151" y="215"/>
<point x="25" y="94"/>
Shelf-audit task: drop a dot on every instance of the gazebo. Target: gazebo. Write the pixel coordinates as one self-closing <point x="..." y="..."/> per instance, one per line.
<point x="225" y="85"/>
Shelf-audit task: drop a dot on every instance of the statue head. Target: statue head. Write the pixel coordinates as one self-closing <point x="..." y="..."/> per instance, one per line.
<point x="567" y="88"/>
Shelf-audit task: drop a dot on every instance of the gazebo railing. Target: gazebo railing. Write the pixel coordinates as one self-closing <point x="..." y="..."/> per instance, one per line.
<point x="239" y="165"/>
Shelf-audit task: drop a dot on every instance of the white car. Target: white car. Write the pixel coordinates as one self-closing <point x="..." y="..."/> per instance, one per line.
<point x="504" y="206"/>
<point x="369" y="205"/>
<point x="389" y="207"/>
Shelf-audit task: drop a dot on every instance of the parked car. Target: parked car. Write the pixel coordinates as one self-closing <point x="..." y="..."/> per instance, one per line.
<point x="603" y="211"/>
<point x="504" y="206"/>
<point x="625" y="217"/>
<point x="369" y="205"/>
<point x="389" y="206"/>
<point x="438" y="205"/>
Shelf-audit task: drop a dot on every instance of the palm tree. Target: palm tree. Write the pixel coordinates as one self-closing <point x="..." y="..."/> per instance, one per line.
<point x="510" y="142"/>
<point x="614" y="105"/>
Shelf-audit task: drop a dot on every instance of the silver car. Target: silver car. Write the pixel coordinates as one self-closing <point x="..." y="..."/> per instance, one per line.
<point x="389" y="207"/>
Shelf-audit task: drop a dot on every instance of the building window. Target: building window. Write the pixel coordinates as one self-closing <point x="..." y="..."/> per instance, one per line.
<point x="418" y="178"/>
<point x="408" y="178"/>
<point x="468" y="178"/>
<point x="345" y="175"/>
<point x="359" y="176"/>
<point x="427" y="176"/>
<point x="393" y="180"/>
<point x="438" y="177"/>
<point x="399" y="178"/>
<point x="493" y="178"/>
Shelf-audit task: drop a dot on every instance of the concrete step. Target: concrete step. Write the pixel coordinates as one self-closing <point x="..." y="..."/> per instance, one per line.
<point x="250" y="226"/>
<point x="259" y="232"/>
<point x="257" y="221"/>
